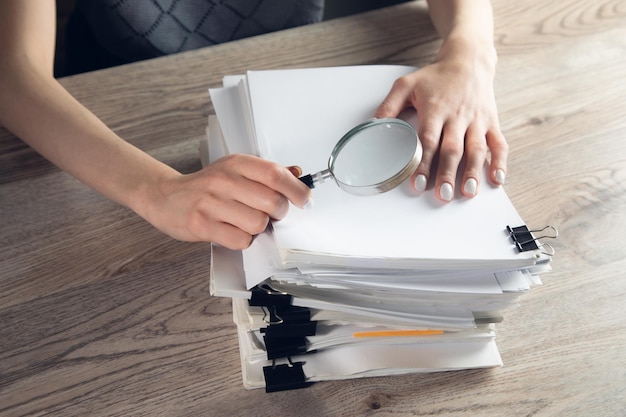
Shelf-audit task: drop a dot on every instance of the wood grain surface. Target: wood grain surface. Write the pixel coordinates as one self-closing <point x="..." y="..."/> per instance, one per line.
<point x="101" y="315"/>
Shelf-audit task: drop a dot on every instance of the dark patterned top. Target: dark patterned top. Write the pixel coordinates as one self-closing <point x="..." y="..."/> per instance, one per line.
<point x="132" y="30"/>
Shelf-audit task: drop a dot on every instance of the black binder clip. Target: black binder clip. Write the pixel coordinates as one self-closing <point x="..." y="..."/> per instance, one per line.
<point x="264" y="295"/>
<point x="285" y="377"/>
<point x="525" y="241"/>
<point x="286" y="314"/>
<point x="284" y="347"/>
<point x="287" y="329"/>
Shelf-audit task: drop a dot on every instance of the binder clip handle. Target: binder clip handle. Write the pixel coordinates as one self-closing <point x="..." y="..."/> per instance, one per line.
<point x="265" y="295"/>
<point x="525" y="240"/>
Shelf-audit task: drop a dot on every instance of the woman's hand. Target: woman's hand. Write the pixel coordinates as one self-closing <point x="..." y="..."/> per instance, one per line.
<point x="228" y="202"/>
<point x="454" y="98"/>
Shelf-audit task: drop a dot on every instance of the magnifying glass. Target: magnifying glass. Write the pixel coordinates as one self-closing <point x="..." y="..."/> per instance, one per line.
<point x="372" y="158"/>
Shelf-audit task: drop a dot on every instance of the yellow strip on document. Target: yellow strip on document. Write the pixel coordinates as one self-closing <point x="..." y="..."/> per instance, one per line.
<point x="396" y="333"/>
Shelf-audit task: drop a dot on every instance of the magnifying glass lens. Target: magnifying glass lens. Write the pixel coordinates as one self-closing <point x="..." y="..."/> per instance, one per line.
<point x="374" y="154"/>
<point x="372" y="158"/>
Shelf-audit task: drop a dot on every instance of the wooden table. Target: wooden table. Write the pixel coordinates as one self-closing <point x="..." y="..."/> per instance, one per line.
<point x="100" y="314"/>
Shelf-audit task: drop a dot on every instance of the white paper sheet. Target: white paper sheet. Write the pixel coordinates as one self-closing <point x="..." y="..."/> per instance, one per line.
<point x="376" y="360"/>
<point x="300" y="114"/>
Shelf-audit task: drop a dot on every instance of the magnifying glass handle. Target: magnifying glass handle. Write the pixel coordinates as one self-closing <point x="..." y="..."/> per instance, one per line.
<point x="311" y="180"/>
<point x="307" y="180"/>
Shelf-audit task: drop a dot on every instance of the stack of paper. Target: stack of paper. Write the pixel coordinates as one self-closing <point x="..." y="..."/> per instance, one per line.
<point x="358" y="286"/>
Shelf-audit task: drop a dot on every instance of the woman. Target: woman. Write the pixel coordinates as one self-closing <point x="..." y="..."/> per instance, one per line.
<point x="233" y="199"/>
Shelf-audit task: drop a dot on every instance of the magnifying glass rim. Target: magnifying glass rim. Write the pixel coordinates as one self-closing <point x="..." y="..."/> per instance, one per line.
<point x="389" y="183"/>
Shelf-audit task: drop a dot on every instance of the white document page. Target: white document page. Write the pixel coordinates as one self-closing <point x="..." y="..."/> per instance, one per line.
<point x="376" y="360"/>
<point x="230" y="110"/>
<point x="227" y="280"/>
<point x="299" y="116"/>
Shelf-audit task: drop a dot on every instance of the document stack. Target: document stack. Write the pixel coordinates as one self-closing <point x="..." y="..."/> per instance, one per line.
<point x="389" y="284"/>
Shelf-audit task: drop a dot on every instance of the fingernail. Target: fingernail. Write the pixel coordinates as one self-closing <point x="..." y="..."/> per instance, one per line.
<point x="500" y="176"/>
<point x="310" y="203"/>
<point x="295" y="170"/>
<point x="470" y="187"/>
<point x="420" y="183"/>
<point x="446" y="192"/>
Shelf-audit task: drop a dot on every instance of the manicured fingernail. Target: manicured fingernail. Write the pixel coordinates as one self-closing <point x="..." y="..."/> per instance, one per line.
<point x="310" y="203"/>
<point x="470" y="187"/>
<point x="295" y="170"/>
<point x="500" y="176"/>
<point x="446" y="192"/>
<point x="420" y="183"/>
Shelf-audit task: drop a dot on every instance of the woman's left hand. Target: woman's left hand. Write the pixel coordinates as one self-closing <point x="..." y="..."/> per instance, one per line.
<point x="457" y="118"/>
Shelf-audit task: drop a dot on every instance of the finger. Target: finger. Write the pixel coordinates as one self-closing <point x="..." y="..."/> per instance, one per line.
<point x="429" y="133"/>
<point x="396" y="100"/>
<point x="205" y="227"/>
<point x="241" y="215"/>
<point x="229" y="236"/>
<point x="236" y="185"/>
<point x="475" y="154"/>
<point x="451" y="152"/>
<point x="277" y="178"/>
<point x="499" y="154"/>
<point x="295" y="170"/>
<point x="262" y="198"/>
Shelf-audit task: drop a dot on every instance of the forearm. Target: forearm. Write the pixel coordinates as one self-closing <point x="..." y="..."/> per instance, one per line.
<point x="466" y="27"/>
<point x="36" y="108"/>
<point x="228" y="202"/>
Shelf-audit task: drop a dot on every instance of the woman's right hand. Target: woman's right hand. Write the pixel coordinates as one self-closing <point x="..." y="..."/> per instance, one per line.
<point x="227" y="202"/>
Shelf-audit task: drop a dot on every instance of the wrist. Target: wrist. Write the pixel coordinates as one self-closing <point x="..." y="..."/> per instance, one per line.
<point x="467" y="49"/>
<point x="150" y="194"/>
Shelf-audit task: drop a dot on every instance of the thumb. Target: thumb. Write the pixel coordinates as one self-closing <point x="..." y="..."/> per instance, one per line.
<point x="395" y="102"/>
<point x="295" y="170"/>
